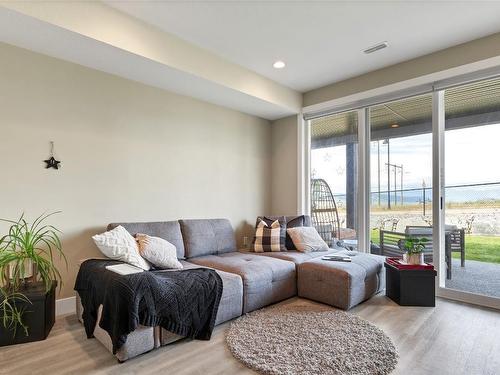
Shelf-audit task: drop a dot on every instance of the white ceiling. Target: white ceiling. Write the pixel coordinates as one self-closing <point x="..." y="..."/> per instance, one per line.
<point x="321" y="42"/>
<point x="99" y="37"/>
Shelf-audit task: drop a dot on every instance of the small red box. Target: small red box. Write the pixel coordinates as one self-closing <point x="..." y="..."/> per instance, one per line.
<point x="396" y="262"/>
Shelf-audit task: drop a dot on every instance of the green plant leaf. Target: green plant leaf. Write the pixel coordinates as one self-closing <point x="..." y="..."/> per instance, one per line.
<point x="36" y="242"/>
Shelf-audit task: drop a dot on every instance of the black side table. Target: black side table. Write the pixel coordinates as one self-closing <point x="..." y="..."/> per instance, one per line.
<point x="410" y="287"/>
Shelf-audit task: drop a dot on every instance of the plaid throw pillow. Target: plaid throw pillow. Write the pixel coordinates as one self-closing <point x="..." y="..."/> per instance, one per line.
<point x="271" y="219"/>
<point x="269" y="237"/>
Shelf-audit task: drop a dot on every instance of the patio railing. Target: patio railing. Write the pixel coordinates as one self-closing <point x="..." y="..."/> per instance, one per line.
<point x="466" y="195"/>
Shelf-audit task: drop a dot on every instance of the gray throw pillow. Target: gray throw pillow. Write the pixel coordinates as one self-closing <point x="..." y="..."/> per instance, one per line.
<point x="298" y="221"/>
<point x="307" y="239"/>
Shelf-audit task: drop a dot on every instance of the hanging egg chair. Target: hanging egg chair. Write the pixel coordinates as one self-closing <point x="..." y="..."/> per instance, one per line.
<point x="324" y="214"/>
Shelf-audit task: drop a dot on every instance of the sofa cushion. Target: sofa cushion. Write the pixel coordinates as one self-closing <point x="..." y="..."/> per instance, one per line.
<point x="230" y="306"/>
<point x="341" y="284"/>
<point x="207" y="236"/>
<point x="141" y="340"/>
<point x="168" y="230"/>
<point x="231" y="302"/>
<point x="293" y="220"/>
<point x="295" y="256"/>
<point x="265" y="280"/>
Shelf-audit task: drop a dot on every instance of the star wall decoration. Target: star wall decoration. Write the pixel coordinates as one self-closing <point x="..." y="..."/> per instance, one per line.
<point x="52" y="163"/>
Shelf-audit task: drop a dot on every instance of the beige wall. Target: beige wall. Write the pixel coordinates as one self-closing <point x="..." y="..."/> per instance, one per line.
<point x="284" y="166"/>
<point x="129" y="153"/>
<point x="476" y="50"/>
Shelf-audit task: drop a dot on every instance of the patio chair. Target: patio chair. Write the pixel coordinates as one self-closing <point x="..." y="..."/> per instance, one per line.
<point x="392" y="243"/>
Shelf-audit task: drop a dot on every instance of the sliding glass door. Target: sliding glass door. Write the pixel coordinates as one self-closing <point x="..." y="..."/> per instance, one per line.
<point x="421" y="166"/>
<point x="334" y="176"/>
<point x="472" y="188"/>
<point x="401" y="174"/>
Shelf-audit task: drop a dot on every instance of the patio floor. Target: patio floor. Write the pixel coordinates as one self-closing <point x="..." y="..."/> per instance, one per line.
<point x="475" y="277"/>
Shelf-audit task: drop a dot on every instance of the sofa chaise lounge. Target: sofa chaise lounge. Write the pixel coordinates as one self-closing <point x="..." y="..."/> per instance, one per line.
<point x="250" y="280"/>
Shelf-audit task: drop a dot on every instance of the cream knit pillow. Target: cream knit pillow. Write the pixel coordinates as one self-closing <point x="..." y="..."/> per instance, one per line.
<point x="161" y="253"/>
<point x="119" y="244"/>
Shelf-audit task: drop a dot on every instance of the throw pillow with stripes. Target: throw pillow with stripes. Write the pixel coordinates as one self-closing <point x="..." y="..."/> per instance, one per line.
<point x="269" y="237"/>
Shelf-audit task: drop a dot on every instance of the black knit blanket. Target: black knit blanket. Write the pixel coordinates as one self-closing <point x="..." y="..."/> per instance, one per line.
<point x="184" y="302"/>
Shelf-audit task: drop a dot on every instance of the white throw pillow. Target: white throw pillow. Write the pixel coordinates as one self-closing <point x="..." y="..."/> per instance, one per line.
<point x="159" y="252"/>
<point x="307" y="239"/>
<point x="119" y="244"/>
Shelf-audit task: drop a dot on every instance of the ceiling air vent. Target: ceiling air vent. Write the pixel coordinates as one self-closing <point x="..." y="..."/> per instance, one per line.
<point x="376" y="47"/>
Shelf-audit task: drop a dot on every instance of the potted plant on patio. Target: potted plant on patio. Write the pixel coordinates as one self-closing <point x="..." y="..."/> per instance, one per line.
<point x="28" y="278"/>
<point x="414" y="250"/>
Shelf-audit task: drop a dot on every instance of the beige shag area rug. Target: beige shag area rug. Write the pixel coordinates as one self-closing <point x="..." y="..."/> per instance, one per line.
<point x="310" y="339"/>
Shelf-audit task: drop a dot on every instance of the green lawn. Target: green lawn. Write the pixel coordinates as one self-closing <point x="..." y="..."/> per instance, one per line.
<point x="375" y="236"/>
<point x="481" y="248"/>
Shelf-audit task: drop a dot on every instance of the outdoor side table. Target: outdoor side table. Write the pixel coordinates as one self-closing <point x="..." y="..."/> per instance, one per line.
<point x="410" y="287"/>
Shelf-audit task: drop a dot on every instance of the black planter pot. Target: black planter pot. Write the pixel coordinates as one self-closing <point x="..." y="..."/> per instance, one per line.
<point x="39" y="316"/>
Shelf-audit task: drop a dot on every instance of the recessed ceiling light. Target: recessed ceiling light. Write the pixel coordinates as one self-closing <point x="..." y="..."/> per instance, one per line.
<point x="279" y="64"/>
<point x="395" y="126"/>
<point x="376" y="47"/>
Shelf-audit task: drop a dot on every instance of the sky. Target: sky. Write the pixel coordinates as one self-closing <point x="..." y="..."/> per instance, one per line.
<point x="472" y="155"/>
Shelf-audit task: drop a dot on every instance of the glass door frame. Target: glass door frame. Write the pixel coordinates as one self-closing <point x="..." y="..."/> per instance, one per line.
<point x="438" y="210"/>
<point x="363" y="195"/>
<point x="438" y="127"/>
<point x="363" y="180"/>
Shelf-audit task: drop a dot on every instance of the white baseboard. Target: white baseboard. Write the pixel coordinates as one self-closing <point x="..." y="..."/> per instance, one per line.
<point x="66" y="306"/>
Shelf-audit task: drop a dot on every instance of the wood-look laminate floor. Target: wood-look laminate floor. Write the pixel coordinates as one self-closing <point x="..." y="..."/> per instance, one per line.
<point x="452" y="338"/>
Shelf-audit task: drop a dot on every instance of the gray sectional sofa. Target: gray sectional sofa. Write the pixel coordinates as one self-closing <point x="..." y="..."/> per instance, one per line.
<point x="250" y="280"/>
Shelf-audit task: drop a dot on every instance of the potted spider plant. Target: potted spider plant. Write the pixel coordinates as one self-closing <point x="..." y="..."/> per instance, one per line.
<point x="414" y="250"/>
<point x="28" y="278"/>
